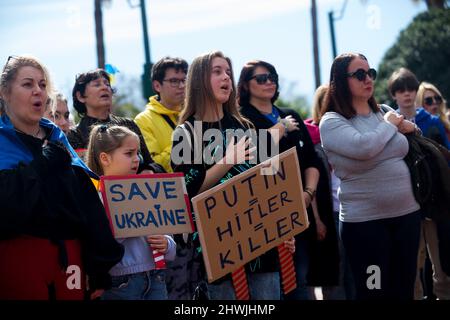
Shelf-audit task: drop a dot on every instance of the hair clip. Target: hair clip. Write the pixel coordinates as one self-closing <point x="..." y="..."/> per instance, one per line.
<point x="103" y="128"/>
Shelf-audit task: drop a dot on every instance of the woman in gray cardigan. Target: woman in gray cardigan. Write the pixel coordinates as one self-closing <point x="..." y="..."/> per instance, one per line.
<point x="379" y="217"/>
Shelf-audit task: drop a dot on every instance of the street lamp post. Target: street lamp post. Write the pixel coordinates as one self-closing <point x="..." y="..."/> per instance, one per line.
<point x="147" y="87"/>
<point x="315" y="43"/>
<point x="333" y="36"/>
<point x="331" y="20"/>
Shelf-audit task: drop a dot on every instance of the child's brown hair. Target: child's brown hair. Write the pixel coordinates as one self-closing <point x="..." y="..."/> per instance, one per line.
<point x="104" y="138"/>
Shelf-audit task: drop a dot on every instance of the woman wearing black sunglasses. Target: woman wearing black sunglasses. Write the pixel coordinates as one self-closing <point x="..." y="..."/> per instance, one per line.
<point x="435" y="231"/>
<point x="403" y="87"/>
<point x="257" y="92"/>
<point x="431" y="99"/>
<point x="379" y="216"/>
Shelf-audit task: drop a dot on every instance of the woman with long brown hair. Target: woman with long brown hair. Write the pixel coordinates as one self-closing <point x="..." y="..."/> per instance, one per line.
<point x="211" y="104"/>
<point x="379" y="216"/>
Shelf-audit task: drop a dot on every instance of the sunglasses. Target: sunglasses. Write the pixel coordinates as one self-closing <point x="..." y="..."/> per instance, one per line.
<point x="361" y="74"/>
<point x="429" y="101"/>
<point x="262" y="78"/>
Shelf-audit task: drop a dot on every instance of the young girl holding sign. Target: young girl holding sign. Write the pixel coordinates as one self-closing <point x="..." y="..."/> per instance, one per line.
<point x="114" y="151"/>
<point x="211" y="102"/>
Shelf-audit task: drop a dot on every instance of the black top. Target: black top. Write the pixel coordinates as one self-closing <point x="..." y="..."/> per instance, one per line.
<point x="58" y="204"/>
<point x="300" y="139"/>
<point x="195" y="172"/>
<point x="323" y="256"/>
<point x="195" y="175"/>
<point x="79" y="137"/>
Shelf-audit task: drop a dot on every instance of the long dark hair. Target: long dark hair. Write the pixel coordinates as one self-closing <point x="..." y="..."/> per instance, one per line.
<point x="243" y="95"/>
<point x="339" y="96"/>
<point x="10" y="71"/>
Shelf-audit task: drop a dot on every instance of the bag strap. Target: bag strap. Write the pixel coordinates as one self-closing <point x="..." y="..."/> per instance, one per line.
<point x="169" y="121"/>
<point x="196" y="141"/>
<point x="383" y="109"/>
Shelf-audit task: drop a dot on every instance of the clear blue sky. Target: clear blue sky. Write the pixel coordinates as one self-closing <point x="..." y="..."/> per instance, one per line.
<point x="62" y="34"/>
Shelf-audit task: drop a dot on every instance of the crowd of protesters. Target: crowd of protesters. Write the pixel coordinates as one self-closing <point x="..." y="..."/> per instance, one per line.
<point x="365" y="218"/>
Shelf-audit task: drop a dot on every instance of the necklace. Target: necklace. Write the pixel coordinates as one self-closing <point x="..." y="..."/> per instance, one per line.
<point x="36" y="135"/>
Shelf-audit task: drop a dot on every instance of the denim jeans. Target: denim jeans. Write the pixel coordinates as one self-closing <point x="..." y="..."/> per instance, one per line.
<point x="149" y="285"/>
<point x="263" y="286"/>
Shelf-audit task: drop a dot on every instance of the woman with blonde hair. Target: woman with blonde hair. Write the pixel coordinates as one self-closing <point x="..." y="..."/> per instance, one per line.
<point x="319" y="98"/>
<point x="58" y="112"/>
<point x="432" y="100"/>
<point x="54" y="229"/>
<point x="379" y="216"/>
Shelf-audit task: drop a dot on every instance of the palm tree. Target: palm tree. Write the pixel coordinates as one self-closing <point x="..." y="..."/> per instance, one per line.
<point x="440" y="4"/>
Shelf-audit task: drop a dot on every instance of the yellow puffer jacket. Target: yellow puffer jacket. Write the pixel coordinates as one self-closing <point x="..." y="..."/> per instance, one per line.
<point x="157" y="132"/>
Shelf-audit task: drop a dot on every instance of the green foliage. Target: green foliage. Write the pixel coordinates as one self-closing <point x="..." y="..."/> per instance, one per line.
<point x="424" y="48"/>
<point x="299" y="104"/>
<point x="128" y="101"/>
<point x="124" y="108"/>
<point x="127" y="110"/>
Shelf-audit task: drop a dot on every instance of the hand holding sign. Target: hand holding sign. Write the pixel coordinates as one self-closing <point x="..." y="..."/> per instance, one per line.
<point x="290" y="245"/>
<point x="158" y="243"/>
<point x="141" y="205"/>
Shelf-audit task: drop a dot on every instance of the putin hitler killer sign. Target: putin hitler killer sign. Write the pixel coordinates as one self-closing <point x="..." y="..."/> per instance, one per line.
<point x="251" y="213"/>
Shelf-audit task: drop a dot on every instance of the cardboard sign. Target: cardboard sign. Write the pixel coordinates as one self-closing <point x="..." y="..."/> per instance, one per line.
<point x="249" y="214"/>
<point x="145" y="204"/>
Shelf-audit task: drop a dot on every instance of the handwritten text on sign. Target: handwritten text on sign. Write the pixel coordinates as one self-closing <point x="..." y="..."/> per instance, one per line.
<point x="249" y="214"/>
<point x="147" y="204"/>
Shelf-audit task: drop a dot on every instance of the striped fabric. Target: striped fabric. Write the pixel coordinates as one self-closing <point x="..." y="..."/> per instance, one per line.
<point x="288" y="276"/>
<point x="160" y="262"/>
<point x="240" y="284"/>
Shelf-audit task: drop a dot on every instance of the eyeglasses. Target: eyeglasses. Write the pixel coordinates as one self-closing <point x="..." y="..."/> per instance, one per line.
<point x="262" y="78"/>
<point x="429" y="100"/>
<point x="361" y="74"/>
<point x="175" y="83"/>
